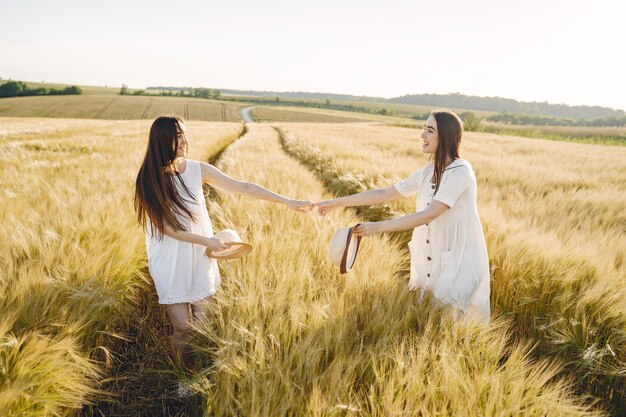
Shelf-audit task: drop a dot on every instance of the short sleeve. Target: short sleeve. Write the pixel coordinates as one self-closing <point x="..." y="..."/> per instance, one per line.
<point x="410" y="185"/>
<point x="454" y="184"/>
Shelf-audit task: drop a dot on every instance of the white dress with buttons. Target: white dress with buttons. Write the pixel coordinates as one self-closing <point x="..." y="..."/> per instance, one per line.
<point x="449" y="255"/>
<point x="182" y="271"/>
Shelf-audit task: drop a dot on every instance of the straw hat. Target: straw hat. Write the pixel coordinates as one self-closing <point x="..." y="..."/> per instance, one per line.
<point x="343" y="249"/>
<point x="237" y="248"/>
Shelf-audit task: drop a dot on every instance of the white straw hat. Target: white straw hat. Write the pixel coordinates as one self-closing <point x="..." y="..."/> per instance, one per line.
<point x="237" y="248"/>
<point x="343" y="248"/>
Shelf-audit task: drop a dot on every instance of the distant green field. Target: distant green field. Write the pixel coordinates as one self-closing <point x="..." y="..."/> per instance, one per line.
<point x="102" y="102"/>
<point x="395" y="109"/>
<point x="314" y="115"/>
<point x="115" y="107"/>
<point x="280" y="114"/>
<point x="134" y="107"/>
<point x="585" y="134"/>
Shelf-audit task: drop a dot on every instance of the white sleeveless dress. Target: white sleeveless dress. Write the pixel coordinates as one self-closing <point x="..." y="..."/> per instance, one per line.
<point x="449" y="255"/>
<point x="182" y="271"/>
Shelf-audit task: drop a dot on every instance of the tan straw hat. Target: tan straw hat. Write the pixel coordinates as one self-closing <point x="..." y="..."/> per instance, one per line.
<point x="343" y="248"/>
<point x="237" y="248"/>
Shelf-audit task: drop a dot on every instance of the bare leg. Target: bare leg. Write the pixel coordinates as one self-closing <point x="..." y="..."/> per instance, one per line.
<point x="180" y="317"/>
<point x="200" y="308"/>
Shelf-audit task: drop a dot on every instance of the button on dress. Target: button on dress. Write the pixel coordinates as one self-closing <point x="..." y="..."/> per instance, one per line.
<point x="449" y="254"/>
<point x="182" y="272"/>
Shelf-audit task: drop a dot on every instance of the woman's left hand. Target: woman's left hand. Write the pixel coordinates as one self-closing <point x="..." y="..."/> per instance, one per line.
<point x="366" y="229"/>
<point x="300" y="205"/>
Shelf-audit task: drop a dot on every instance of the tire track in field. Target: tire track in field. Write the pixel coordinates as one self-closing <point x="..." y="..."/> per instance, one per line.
<point x="55" y="109"/>
<point x="144" y="115"/>
<point x="285" y="165"/>
<point x="223" y="112"/>
<point x="337" y="185"/>
<point x="186" y="111"/>
<point x="103" y="109"/>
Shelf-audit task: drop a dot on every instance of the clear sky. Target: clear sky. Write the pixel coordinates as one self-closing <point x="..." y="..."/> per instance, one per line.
<point x="558" y="51"/>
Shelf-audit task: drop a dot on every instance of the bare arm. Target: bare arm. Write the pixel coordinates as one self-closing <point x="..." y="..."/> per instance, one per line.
<point x="379" y="195"/>
<point x="212" y="243"/>
<point x="218" y="179"/>
<point x="408" y="222"/>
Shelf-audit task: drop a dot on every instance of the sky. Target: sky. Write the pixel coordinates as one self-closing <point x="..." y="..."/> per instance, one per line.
<point x="557" y="51"/>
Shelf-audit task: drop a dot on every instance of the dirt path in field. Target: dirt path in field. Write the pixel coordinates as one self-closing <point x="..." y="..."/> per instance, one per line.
<point x="143" y="383"/>
<point x="246" y="114"/>
<point x="334" y="182"/>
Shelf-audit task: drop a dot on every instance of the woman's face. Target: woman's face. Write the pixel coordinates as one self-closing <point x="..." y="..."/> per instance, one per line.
<point x="183" y="143"/>
<point x="430" y="137"/>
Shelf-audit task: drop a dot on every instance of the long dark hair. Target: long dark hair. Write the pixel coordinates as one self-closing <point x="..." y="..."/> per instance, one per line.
<point x="156" y="198"/>
<point x="449" y="131"/>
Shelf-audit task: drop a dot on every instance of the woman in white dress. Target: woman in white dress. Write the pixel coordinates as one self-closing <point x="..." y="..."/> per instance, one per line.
<point x="448" y="250"/>
<point x="171" y="207"/>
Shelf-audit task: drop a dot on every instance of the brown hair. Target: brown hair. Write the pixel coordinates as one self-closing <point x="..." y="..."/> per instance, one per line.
<point x="156" y="198"/>
<point x="449" y="131"/>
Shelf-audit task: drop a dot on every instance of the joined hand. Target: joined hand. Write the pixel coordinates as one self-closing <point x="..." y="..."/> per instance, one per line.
<point x="300" y="205"/>
<point x="325" y="207"/>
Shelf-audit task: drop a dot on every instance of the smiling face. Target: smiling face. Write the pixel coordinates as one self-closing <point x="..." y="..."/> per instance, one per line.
<point x="183" y="142"/>
<point x="430" y="137"/>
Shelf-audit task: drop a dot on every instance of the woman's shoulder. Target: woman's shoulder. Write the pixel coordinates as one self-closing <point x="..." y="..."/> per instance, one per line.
<point x="195" y="165"/>
<point x="460" y="163"/>
<point x="460" y="168"/>
<point x="193" y="168"/>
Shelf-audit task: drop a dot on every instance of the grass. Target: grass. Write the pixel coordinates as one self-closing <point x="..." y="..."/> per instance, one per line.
<point x="105" y="103"/>
<point x="114" y="107"/>
<point x="554" y="226"/>
<point x="273" y="114"/>
<point x="584" y="134"/>
<point x="81" y="331"/>
<point x="72" y="260"/>
<point x="289" y="335"/>
<point x="313" y="115"/>
<point x="399" y="109"/>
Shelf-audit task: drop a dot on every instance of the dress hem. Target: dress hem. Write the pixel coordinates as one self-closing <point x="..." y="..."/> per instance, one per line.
<point x="186" y="300"/>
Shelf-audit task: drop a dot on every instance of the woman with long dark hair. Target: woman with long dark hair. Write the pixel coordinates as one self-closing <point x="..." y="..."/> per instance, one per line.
<point x="171" y="207"/>
<point x="448" y="249"/>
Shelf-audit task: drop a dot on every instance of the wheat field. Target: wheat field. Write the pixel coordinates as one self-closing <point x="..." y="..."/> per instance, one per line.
<point x="555" y="224"/>
<point x="81" y="333"/>
<point x="72" y="257"/>
<point x="116" y="107"/>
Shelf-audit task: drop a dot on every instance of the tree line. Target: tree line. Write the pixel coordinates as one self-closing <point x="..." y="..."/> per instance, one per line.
<point x="499" y="104"/>
<point x="19" y="89"/>
<point x="210" y="93"/>
<point x="473" y="122"/>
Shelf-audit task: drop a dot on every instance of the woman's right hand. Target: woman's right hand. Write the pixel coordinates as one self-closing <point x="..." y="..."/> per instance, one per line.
<point x="215" y="244"/>
<point x="325" y="207"/>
